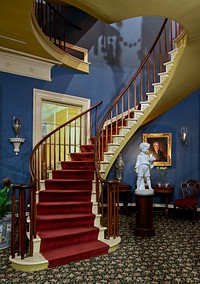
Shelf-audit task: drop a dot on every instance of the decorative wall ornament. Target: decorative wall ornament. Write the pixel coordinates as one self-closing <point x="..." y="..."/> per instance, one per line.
<point x="17" y="141"/>
<point x="184" y="132"/>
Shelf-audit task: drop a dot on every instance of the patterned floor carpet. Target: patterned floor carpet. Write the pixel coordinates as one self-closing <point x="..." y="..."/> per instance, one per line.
<point x="171" y="256"/>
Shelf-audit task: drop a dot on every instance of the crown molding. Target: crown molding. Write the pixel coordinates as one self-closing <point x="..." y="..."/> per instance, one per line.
<point x="23" y="64"/>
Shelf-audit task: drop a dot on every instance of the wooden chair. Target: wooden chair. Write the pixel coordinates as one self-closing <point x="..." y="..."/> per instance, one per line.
<point x="190" y="190"/>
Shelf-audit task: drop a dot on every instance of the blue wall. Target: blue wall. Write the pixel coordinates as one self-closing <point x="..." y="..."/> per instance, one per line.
<point x="105" y="80"/>
<point x="115" y="52"/>
<point x="185" y="158"/>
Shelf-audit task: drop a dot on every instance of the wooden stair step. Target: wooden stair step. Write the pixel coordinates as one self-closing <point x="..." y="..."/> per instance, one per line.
<point x="64" y="195"/>
<point x="68" y="183"/>
<point x="58" y="238"/>
<point x="82" y="156"/>
<point x="72" y="174"/>
<point x="73" y="165"/>
<point x="63" y="207"/>
<point x="87" y="148"/>
<point x="60" y="221"/>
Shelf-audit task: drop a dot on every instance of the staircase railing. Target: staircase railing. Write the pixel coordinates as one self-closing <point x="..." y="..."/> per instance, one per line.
<point x="68" y="137"/>
<point x="124" y="106"/>
<point x="57" y="28"/>
<point x="46" y="156"/>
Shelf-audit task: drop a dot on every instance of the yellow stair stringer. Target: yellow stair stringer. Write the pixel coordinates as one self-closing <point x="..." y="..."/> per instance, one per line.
<point x="153" y="110"/>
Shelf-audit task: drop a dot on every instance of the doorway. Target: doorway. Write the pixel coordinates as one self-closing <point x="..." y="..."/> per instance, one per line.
<point x="53" y="109"/>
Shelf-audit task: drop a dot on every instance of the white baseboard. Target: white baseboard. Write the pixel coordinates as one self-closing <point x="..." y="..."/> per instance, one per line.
<point x="157" y="205"/>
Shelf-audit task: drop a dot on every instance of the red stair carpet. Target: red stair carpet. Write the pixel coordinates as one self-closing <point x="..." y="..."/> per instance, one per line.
<point x="65" y="222"/>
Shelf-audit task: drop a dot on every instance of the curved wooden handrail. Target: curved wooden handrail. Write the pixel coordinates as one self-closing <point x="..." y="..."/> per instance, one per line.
<point x="35" y="177"/>
<point x="122" y="108"/>
<point x="129" y="106"/>
<point x="87" y="122"/>
<point x="55" y="146"/>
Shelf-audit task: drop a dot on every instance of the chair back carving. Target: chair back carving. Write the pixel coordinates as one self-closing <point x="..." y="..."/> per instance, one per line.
<point x="190" y="188"/>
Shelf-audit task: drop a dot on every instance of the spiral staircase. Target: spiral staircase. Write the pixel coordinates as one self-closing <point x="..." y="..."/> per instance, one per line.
<point x="169" y="90"/>
<point x="119" y="129"/>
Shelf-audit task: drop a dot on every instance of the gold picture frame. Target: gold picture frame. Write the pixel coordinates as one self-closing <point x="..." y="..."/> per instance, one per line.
<point x="161" y="142"/>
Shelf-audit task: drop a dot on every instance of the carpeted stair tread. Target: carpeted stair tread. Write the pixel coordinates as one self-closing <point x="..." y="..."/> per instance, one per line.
<point x="52" y="239"/>
<point x="70" y="253"/>
<point x="65" y="195"/>
<point x="74" y="170"/>
<point x="66" y="190"/>
<point x="68" y="180"/>
<point x="73" y="174"/>
<point x="64" y="207"/>
<point x="60" y="221"/>
<point x="68" y="183"/>
<point x="64" y="203"/>
<point x="78" y="165"/>
<point x="85" y="156"/>
<point x="65" y="222"/>
<point x="87" y="148"/>
<point x="48" y="234"/>
<point x="64" y="216"/>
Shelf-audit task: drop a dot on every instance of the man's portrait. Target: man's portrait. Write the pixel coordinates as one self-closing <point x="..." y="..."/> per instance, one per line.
<point x="160" y="147"/>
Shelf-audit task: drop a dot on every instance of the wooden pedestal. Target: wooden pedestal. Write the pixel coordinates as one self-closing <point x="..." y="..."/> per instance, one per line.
<point x="144" y="216"/>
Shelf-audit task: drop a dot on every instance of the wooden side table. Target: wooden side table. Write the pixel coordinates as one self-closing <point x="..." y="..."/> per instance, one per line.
<point x="166" y="191"/>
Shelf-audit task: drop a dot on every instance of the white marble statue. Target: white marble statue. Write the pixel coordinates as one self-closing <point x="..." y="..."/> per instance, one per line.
<point x="143" y="165"/>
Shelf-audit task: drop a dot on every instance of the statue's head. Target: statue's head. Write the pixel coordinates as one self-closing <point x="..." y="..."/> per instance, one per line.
<point x="144" y="147"/>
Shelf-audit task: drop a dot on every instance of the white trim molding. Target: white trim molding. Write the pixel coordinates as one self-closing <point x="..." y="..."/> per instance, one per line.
<point x="25" y="65"/>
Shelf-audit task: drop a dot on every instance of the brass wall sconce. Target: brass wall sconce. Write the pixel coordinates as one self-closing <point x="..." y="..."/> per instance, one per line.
<point x="17" y="141"/>
<point x="184" y="134"/>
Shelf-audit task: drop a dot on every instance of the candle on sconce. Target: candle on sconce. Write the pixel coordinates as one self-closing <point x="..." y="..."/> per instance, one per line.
<point x="184" y="134"/>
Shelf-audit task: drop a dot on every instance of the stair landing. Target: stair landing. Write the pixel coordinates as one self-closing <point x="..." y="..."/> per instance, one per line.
<point x="37" y="262"/>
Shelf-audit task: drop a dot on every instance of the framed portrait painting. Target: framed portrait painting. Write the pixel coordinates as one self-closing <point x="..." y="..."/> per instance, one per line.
<point x="160" y="147"/>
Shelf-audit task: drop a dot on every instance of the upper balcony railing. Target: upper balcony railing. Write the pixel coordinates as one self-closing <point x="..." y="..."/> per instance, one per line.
<point x="57" y="28"/>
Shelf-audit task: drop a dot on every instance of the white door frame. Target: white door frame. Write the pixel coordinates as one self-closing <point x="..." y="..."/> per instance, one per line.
<point x="41" y="95"/>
